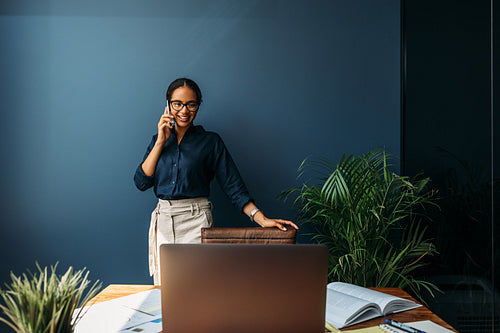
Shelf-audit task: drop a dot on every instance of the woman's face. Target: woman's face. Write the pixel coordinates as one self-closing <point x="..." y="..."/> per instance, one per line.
<point x="183" y="117"/>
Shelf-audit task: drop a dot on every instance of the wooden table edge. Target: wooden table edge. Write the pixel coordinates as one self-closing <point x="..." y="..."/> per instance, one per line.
<point x="113" y="291"/>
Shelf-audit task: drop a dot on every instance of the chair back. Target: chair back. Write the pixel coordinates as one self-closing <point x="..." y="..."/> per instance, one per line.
<point x="253" y="235"/>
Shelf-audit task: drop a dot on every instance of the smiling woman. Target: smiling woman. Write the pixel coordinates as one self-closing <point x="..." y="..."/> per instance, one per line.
<point x="180" y="162"/>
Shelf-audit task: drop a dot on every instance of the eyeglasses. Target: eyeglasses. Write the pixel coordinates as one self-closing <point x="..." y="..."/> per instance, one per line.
<point x="190" y="106"/>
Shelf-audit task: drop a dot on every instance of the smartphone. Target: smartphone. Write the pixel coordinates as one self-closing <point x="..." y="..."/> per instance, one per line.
<point x="168" y="107"/>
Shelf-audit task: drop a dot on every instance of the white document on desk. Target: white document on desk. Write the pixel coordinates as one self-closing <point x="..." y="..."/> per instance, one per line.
<point x="124" y="314"/>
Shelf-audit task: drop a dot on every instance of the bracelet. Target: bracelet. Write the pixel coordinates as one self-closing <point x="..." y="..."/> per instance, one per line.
<point x="252" y="214"/>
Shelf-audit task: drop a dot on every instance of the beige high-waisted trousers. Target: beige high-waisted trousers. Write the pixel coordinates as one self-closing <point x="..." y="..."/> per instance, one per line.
<point x="176" y="222"/>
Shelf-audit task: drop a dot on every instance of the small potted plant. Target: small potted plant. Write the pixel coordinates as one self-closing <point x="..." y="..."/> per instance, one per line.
<point x="45" y="303"/>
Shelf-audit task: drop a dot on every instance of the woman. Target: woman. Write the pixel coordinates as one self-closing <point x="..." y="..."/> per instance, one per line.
<point x="179" y="164"/>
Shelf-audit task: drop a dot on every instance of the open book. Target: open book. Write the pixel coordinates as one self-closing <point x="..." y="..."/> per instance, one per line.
<point x="348" y="304"/>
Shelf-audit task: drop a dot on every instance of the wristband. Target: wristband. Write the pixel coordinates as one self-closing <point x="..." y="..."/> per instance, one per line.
<point x="252" y="214"/>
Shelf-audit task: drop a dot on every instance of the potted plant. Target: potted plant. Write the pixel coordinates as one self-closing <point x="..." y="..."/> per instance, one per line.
<point x="370" y="219"/>
<point x="45" y="303"/>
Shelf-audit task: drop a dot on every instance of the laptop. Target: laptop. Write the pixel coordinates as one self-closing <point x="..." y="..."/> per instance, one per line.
<point x="243" y="288"/>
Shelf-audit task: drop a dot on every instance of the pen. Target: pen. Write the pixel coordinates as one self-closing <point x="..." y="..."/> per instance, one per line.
<point x="402" y="326"/>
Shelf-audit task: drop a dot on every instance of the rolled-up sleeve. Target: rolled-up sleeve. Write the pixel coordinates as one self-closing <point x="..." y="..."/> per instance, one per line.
<point x="228" y="176"/>
<point x="142" y="181"/>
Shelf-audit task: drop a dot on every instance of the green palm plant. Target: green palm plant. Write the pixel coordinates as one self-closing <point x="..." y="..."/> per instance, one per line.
<point x="46" y="303"/>
<point x="370" y="219"/>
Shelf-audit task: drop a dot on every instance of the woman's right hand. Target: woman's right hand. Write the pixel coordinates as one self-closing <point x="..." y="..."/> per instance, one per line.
<point x="165" y="126"/>
<point x="164" y="131"/>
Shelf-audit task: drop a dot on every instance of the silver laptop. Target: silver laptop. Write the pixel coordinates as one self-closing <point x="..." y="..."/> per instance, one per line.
<point x="243" y="288"/>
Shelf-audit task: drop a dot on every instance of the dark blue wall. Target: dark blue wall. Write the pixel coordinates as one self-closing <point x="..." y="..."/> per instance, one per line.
<point x="83" y="87"/>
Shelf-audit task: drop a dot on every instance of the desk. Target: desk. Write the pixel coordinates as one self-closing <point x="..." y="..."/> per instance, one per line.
<point x="422" y="313"/>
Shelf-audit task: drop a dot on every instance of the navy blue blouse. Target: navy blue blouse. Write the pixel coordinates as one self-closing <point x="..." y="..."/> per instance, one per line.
<point x="185" y="170"/>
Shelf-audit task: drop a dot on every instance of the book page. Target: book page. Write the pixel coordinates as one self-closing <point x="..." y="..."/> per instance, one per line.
<point x="387" y="303"/>
<point x="343" y="310"/>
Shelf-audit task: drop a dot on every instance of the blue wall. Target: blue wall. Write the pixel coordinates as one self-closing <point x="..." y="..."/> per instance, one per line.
<point x="83" y="87"/>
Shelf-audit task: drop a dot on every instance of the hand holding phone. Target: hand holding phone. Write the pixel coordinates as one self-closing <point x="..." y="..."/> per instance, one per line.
<point x="170" y="113"/>
<point x="165" y="125"/>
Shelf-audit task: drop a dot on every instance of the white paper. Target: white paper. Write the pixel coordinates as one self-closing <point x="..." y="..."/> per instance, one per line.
<point x="151" y="326"/>
<point x="429" y="327"/>
<point x="123" y="313"/>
